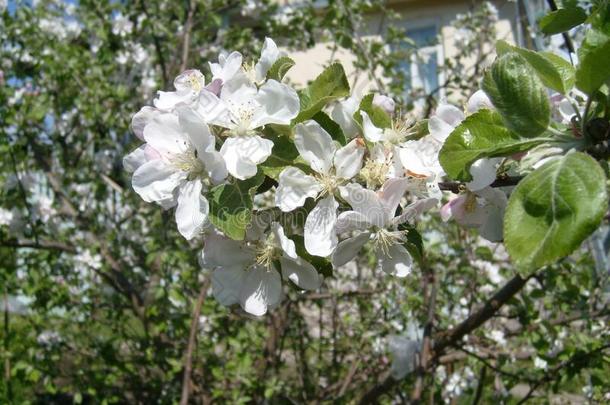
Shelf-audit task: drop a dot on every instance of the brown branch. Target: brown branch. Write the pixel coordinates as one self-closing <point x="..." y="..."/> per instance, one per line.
<point x="41" y="245"/>
<point x="188" y="355"/>
<point x="426" y="353"/>
<point x="446" y="339"/>
<point x="456" y="186"/>
<point x="549" y="375"/>
<point x="491" y="306"/>
<point x="186" y="39"/>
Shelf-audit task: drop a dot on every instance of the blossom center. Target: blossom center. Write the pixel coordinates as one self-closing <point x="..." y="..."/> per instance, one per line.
<point x="374" y="173"/>
<point x="329" y="183"/>
<point x="242" y="118"/>
<point x="384" y="239"/>
<point x="267" y="252"/>
<point x="189" y="162"/>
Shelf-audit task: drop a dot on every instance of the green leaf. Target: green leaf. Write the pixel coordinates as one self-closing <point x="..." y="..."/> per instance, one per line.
<point x="378" y="116"/>
<point x="328" y="86"/>
<point x="414" y="242"/>
<point x="553" y="210"/>
<point x="280" y="68"/>
<point x="594" y="62"/>
<point x="554" y="71"/>
<point x="330" y="126"/>
<point x="562" y="20"/>
<point x="231" y="205"/>
<point x="518" y="95"/>
<point x="480" y="135"/>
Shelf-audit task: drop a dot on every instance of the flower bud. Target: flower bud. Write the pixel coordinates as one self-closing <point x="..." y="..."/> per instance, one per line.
<point x="384" y="102"/>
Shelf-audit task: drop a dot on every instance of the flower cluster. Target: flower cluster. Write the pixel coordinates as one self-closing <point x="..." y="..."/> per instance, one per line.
<point x="348" y="181"/>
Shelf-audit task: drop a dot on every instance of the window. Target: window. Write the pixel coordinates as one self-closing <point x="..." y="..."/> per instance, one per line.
<point x="421" y="69"/>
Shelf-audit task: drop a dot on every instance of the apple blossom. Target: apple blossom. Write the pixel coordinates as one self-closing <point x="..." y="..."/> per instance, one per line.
<point x="178" y="161"/>
<point x="249" y="274"/>
<point x="373" y="219"/>
<point x="244" y="109"/>
<point x="332" y="167"/>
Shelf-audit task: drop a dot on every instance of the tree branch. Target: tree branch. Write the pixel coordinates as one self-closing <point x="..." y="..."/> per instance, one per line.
<point x="456" y="186"/>
<point x="188" y="355"/>
<point x="449" y="338"/>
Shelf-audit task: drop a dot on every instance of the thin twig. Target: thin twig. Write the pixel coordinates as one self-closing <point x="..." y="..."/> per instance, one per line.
<point x="186" y="39"/>
<point x="188" y="355"/>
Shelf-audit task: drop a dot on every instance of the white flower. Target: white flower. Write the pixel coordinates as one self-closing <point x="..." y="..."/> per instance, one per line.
<point x="177" y="163"/>
<point x="540" y="363"/>
<point x="404" y="351"/>
<point x="121" y="25"/>
<point x="269" y="55"/>
<point x="343" y="114"/>
<point x="332" y="167"/>
<point x="189" y="85"/>
<point x="483" y="209"/>
<point x="228" y="66"/>
<point x="246" y="271"/>
<point x="243" y="109"/>
<point x="6" y="217"/>
<point x="373" y="219"/>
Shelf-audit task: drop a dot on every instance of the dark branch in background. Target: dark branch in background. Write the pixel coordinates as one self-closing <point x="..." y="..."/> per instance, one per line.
<point x="456" y="186"/>
<point x="578" y="357"/>
<point x="446" y="339"/>
<point x="566" y="37"/>
<point x="430" y="290"/>
<point x="186" y="38"/>
<point x="41" y="245"/>
<point x="188" y="356"/>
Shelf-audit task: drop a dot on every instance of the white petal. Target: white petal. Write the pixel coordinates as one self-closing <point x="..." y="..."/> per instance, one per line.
<point x="141" y="118"/>
<point x="386" y="103"/>
<point x="167" y="100"/>
<point x="314" y="145"/>
<point x="320" y="236"/>
<point x="366" y="202"/>
<point x="195" y="129"/>
<point x="483" y="173"/>
<point x="261" y="289"/>
<point x="477" y="101"/>
<point x="343" y="114"/>
<point x="286" y="244"/>
<point x="397" y="262"/>
<point x="165" y="135"/>
<point x="348" y="159"/>
<point x="243" y="153"/>
<point x="135" y="159"/>
<point x="226" y="284"/>
<point x="450" y="114"/>
<point x="191" y="79"/>
<point x="212" y="109"/>
<point x="269" y="54"/>
<point x="228" y="66"/>
<point x="348" y="249"/>
<point x="414" y="210"/>
<point x="349" y="221"/>
<point x="279" y="104"/>
<point x="156" y="180"/>
<point x="300" y="272"/>
<point x="371" y="132"/>
<point x="216" y="248"/>
<point x="215" y="166"/>
<point x="294" y="188"/>
<point x="439" y="129"/>
<point x="391" y="193"/>
<point x="192" y="209"/>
